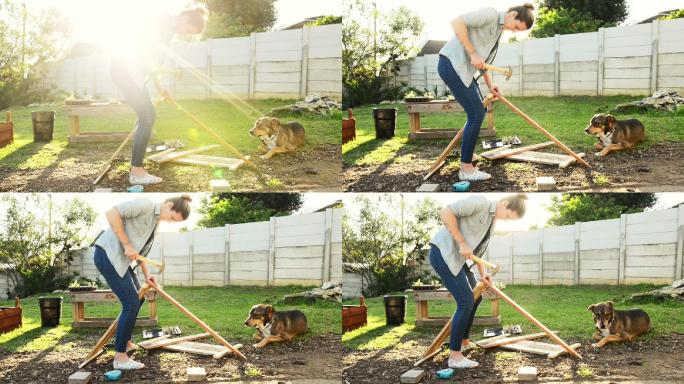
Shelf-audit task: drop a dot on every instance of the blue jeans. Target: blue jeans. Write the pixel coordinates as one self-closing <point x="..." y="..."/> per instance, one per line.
<point x="126" y="290"/>
<point x="470" y="99"/>
<point x="139" y="99"/>
<point x="461" y="288"/>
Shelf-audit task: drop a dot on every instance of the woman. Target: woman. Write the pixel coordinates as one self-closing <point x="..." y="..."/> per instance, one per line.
<point x="468" y="225"/>
<point x="133" y="225"/>
<point x="130" y="72"/>
<point x="476" y="42"/>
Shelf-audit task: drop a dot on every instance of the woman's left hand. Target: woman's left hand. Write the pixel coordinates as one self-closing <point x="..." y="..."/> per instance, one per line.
<point x="487" y="277"/>
<point x="150" y="280"/>
<point x="495" y="90"/>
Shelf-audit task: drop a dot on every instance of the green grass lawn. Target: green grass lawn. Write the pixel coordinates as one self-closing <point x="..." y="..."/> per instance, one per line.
<point x="223" y="309"/>
<point x="231" y="120"/>
<point x="561" y="308"/>
<point x="564" y="117"/>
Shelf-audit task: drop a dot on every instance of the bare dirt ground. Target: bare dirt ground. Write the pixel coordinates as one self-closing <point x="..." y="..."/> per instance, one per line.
<point x="315" y="169"/>
<point x="659" y="168"/>
<point x="658" y="360"/>
<point x="313" y="361"/>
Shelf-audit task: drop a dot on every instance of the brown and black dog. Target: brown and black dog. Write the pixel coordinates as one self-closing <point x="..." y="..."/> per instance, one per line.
<point x="275" y="326"/>
<point x="613" y="325"/>
<point x="277" y="137"/>
<point x="613" y="134"/>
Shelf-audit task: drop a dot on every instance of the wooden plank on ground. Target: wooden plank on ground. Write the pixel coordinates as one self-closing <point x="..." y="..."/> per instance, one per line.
<point x="493" y="343"/>
<point x="160" y="154"/>
<point x="513" y="151"/>
<point x="538" y="348"/>
<point x="545" y="158"/>
<point x="211" y="161"/>
<point x="165" y="157"/>
<point x="162" y="342"/>
<point x="216" y="351"/>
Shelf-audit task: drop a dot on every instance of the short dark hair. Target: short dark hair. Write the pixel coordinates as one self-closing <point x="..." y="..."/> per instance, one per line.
<point x="197" y="17"/>
<point x="516" y="203"/>
<point x="524" y="14"/>
<point x="181" y="204"/>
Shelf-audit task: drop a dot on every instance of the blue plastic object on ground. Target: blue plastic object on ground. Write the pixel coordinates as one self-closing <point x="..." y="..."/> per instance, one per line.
<point x="114" y="375"/>
<point x="136" y="189"/>
<point x="445" y="373"/>
<point x="461" y="186"/>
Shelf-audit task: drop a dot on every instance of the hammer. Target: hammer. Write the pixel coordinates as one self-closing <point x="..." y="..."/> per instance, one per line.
<point x="159" y="265"/>
<point x="508" y="72"/>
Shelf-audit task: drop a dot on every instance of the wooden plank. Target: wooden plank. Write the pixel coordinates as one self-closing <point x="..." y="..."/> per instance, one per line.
<point x="513" y="151"/>
<point x="216" y="351"/>
<point x="498" y="342"/>
<point x="162" y="342"/>
<point x="169" y="156"/>
<point x="544" y="158"/>
<point x="434" y="107"/>
<point x="211" y="161"/>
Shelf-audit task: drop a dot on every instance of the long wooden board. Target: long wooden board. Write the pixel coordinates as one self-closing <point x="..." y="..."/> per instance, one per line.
<point x="539" y="348"/>
<point x="162" y="341"/>
<point x="512" y="151"/>
<point x="211" y="161"/>
<point x="498" y="342"/>
<point x="167" y="156"/>
<point x="213" y="350"/>
<point x="562" y="161"/>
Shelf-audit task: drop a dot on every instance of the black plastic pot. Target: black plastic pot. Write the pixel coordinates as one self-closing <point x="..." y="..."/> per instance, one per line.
<point x="385" y="122"/>
<point x="50" y="311"/>
<point x="395" y="309"/>
<point x="43" y="125"/>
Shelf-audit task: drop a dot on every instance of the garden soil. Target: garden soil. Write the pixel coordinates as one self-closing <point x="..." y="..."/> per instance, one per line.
<point x="316" y="360"/>
<point x="659" y="168"/>
<point x="657" y="360"/>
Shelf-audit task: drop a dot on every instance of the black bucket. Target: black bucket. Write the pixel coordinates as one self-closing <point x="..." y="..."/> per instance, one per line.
<point x="50" y="311"/>
<point x="395" y="309"/>
<point x="43" y="125"/>
<point x="385" y="122"/>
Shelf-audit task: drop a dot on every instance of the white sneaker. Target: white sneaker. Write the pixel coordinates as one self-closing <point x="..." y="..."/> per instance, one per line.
<point x="475" y="175"/>
<point x="463" y="364"/>
<point x="127" y="365"/>
<point x="145" y="179"/>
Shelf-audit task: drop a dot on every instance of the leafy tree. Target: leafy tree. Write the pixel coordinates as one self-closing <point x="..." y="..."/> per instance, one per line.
<point x="373" y="46"/>
<point x="234" y="18"/>
<point x="678" y="14"/>
<point x="577" y="16"/>
<point x="385" y="244"/>
<point x="36" y="243"/>
<point x="571" y="208"/>
<point x="235" y="208"/>
<point x="563" y="21"/>
<point x="609" y="12"/>
<point x="22" y="56"/>
<point x="327" y="20"/>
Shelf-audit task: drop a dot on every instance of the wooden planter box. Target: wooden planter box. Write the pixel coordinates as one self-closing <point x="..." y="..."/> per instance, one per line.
<point x="354" y="316"/>
<point x="349" y="128"/>
<point x="10" y="317"/>
<point x="7" y="131"/>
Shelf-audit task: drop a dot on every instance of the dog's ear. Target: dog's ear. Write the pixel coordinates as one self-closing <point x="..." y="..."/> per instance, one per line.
<point x="610" y="119"/>
<point x="610" y="305"/>
<point x="269" y="309"/>
<point x="274" y="122"/>
<point x="591" y="308"/>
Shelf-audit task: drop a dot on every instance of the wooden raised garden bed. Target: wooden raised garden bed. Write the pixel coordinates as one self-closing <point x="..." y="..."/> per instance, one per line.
<point x="10" y="317"/>
<point x="354" y="316"/>
<point x="7" y="131"/>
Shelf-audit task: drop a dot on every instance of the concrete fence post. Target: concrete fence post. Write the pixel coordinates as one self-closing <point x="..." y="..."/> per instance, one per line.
<point x="601" y="60"/>
<point x="577" y="252"/>
<point x="271" y="251"/>
<point x="557" y="74"/>
<point x="226" y="257"/>
<point x="208" y="85"/>
<point x="622" y="258"/>
<point x="541" y="256"/>
<point x="679" y="263"/>
<point x="512" y="254"/>
<point x="327" y="247"/>
<point x="521" y="68"/>
<point x="306" y="41"/>
<point x="191" y="268"/>
<point x="161" y="258"/>
<point x="655" y="43"/>
<point x="252" y="65"/>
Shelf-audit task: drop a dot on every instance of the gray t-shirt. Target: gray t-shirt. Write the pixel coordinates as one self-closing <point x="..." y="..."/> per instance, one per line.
<point x="484" y="31"/>
<point x="475" y="217"/>
<point x="140" y="218"/>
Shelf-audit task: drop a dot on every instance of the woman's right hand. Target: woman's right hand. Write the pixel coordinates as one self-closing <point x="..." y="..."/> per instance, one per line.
<point x="130" y="252"/>
<point x="465" y="251"/>
<point x="477" y="61"/>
